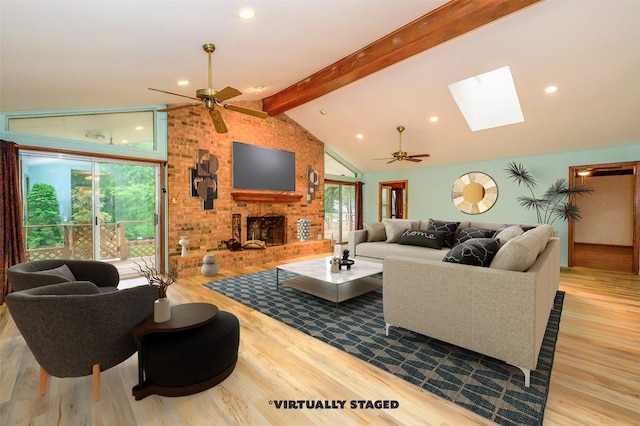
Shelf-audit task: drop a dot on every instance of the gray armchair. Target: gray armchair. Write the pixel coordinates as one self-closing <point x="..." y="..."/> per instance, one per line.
<point x="44" y="272"/>
<point x="74" y="329"/>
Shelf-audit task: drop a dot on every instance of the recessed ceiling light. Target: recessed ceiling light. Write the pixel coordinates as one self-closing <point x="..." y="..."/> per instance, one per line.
<point x="257" y="88"/>
<point x="433" y="119"/>
<point x="125" y="141"/>
<point x="246" y="13"/>
<point x="139" y="128"/>
<point x="551" y="89"/>
<point x="359" y="136"/>
<point x="183" y="82"/>
<point x="323" y="112"/>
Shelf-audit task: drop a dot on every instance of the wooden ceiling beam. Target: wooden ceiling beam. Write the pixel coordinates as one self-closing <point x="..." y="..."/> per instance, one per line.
<point x="451" y="20"/>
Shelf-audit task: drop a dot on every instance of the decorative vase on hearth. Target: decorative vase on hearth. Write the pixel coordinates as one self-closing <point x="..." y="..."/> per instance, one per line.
<point x="304" y="229"/>
<point x="183" y="242"/>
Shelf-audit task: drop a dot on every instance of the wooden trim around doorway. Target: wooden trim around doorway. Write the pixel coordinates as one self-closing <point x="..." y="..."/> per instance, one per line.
<point x="635" y="166"/>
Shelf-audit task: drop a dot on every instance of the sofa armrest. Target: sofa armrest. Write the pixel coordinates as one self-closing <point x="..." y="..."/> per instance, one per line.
<point x="354" y="238"/>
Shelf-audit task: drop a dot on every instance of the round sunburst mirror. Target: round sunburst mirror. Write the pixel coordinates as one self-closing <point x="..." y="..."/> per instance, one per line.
<point x="474" y="193"/>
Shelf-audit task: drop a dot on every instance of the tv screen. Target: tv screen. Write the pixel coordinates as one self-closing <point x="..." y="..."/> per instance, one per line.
<point x="256" y="167"/>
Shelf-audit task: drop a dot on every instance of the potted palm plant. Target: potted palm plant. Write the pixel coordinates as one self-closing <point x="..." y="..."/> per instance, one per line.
<point x="555" y="203"/>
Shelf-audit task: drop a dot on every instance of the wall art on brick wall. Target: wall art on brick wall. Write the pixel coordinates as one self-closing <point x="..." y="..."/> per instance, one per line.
<point x="204" y="181"/>
<point x="313" y="181"/>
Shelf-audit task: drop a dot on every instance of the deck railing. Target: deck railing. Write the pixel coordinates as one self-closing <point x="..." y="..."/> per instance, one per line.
<point x="78" y="242"/>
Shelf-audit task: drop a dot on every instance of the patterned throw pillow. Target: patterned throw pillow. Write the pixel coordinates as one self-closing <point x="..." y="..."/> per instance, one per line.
<point x="476" y="252"/>
<point x="468" y="233"/>
<point x="432" y="239"/>
<point x="441" y="225"/>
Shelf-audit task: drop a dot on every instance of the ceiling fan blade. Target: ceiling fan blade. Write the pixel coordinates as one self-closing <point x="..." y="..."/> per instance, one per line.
<point x="227" y="93"/>
<point x="218" y="123"/>
<point x="175" y="94"/>
<point x="178" y="107"/>
<point x="419" y="155"/>
<point x="415" y="160"/>
<point x="395" y="159"/>
<point x="249" y="111"/>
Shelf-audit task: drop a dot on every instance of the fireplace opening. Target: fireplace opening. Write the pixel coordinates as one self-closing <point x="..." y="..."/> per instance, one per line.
<point x="269" y="228"/>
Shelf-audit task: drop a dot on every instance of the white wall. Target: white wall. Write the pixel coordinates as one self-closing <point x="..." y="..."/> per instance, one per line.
<point x="607" y="213"/>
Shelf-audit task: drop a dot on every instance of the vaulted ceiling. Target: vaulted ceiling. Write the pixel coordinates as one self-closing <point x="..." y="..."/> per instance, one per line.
<point x="319" y="63"/>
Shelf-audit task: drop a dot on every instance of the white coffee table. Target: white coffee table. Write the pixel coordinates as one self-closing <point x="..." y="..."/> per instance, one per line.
<point x="317" y="279"/>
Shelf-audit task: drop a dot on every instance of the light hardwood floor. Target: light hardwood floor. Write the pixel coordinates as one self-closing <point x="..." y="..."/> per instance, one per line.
<point x="595" y="378"/>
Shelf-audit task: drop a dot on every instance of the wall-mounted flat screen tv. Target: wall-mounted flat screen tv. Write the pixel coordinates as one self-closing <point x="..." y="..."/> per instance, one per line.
<point x="256" y="167"/>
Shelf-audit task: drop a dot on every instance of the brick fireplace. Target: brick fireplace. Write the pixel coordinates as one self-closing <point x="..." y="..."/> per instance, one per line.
<point x="190" y="129"/>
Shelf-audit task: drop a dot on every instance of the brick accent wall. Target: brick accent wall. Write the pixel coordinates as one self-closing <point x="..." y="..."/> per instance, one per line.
<point x="190" y="129"/>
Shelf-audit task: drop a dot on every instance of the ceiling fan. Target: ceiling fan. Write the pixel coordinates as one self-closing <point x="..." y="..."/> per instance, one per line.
<point x="401" y="155"/>
<point x="210" y="98"/>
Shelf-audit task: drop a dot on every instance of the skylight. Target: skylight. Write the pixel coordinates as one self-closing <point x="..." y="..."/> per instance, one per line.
<point x="488" y="100"/>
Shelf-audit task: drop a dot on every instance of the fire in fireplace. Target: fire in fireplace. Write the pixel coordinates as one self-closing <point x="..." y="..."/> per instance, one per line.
<point x="269" y="228"/>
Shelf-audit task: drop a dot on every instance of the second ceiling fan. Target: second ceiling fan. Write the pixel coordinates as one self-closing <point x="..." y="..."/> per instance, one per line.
<point x="401" y="155"/>
<point x="209" y="98"/>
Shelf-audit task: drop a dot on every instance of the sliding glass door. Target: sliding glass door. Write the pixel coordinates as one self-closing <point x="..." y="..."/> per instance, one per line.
<point x="85" y="208"/>
<point x="339" y="210"/>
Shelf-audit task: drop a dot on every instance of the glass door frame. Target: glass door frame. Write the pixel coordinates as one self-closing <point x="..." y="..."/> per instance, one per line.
<point x="159" y="192"/>
<point x="342" y="236"/>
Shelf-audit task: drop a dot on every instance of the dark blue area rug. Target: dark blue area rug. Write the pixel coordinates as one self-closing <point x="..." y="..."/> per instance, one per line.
<point x="479" y="383"/>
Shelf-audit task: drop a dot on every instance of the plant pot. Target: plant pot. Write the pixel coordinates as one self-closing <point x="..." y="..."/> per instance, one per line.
<point x="161" y="310"/>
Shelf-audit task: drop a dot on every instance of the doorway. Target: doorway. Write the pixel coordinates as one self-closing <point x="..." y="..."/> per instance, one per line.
<point x="393" y="199"/>
<point x="79" y="207"/>
<point x="607" y="235"/>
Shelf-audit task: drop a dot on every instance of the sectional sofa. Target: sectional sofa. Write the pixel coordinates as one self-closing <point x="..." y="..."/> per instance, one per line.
<point x="499" y="309"/>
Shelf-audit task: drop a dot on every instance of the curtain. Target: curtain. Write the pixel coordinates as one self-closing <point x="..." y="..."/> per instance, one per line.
<point x="12" y="248"/>
<point x="359" y="224"/>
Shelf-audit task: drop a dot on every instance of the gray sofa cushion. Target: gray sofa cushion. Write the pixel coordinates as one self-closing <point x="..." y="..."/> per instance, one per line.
<point x="507" y="233"/>
<point x="395" y="227"/>
<point x="518" y="254"/>
<point x="375" y="231"/>
<point x="543" y="232"/>
<point x="379" y="250"/>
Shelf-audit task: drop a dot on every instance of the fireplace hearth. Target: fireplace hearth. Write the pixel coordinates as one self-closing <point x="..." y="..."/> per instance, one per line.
<point x="269" y="228"/>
